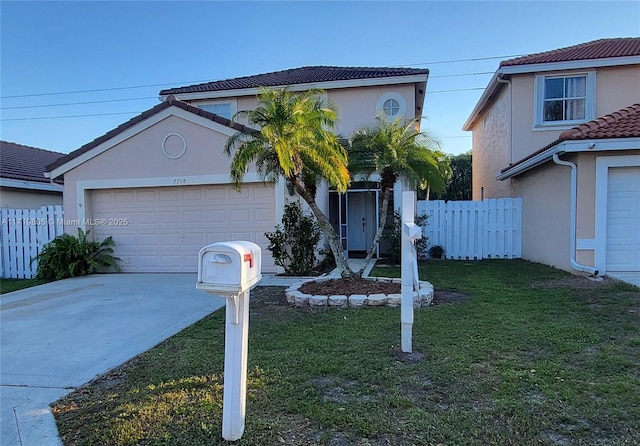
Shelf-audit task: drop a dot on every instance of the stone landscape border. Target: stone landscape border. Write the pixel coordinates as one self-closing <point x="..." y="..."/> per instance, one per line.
<point x="295" y="297"/>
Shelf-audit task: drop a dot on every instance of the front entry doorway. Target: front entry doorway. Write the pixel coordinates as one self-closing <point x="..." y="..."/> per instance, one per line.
<point x="354" y="215"/>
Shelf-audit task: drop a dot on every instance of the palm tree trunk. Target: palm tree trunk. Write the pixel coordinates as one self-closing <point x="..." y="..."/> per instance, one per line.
<point x="327" y="229"/>
<point x="383" y="221"/>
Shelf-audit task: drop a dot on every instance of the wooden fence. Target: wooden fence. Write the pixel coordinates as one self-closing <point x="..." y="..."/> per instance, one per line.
<point x="487" y="229"/>
<point x="23" y="234"/>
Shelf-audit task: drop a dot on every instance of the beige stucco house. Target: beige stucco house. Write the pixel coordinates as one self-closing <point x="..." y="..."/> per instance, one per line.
<point x="22" y="181"/>
<point x="561" y="129"/>
<point x="159" y="183"/>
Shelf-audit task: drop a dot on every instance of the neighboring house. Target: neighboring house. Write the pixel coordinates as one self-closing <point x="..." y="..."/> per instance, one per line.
<point x="159" y="183"/>
<point x="22" y="181"/>
<point x="561" y="129"/>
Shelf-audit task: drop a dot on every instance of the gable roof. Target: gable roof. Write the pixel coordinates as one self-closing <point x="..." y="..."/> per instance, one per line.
<point x="302" y="75"/>
<point x="624" y="123"/>
<point x="25" y="163"/>
<point x="170" y="102"/>
<point x="597" y="53"/>
<point x="596" y="49"/>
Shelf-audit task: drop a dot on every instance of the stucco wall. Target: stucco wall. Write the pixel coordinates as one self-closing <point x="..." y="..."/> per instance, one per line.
<point x="616" y="88"/>
<point x="356" y="106"/>
<point x="491" y="149"/>
<point x="545" y="214"/>
<point x="22" y="199"/>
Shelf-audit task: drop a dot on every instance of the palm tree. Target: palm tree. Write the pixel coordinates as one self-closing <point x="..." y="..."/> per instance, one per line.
<point x="394" y="150"/>
<point x="294" y="140"/>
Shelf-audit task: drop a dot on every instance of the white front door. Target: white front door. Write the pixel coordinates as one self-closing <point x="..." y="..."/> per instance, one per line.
<point x="361" y="220"/>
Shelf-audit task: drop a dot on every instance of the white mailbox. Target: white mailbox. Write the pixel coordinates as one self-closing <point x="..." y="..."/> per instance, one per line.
<point x="229" y="268"/>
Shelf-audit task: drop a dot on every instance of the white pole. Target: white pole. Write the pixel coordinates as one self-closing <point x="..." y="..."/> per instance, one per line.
<point x="235" y="366"/>
<point x="406" y="303"/>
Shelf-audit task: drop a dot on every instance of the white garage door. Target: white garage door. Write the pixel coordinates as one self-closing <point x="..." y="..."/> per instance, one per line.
<point x="161" y="229"/>
<point x="623" y="219"/>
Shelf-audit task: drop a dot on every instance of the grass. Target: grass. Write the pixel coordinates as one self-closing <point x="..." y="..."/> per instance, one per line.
<point x="9" y="285"/>
<point x="533" y="356"/>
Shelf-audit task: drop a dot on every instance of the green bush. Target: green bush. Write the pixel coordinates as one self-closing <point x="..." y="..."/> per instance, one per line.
<point x="293" y="244"/>
<point x="436" y="252"/>
<point x="393" y="233"/>
<point x="69" y="256"/>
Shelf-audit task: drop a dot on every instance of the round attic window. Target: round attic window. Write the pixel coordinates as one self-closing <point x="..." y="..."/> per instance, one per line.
<point x="392" y="106"/>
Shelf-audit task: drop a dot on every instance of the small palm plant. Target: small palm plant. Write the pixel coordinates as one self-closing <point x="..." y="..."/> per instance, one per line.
<point x="68" y="256"/>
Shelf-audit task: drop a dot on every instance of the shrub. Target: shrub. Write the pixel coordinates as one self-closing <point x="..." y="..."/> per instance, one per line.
<point x="436" y="252"/>
<point x="293" y="244"/>
<point x="393" y="233"/>
<point x="68" y="256"/>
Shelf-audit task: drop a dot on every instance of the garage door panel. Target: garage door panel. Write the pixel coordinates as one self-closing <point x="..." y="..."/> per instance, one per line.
<point x="623" y="219"/>
<point x="215" y="194"/>
<point x="216" y="216"/>
<point x="145" y="218"/>
<point x="263" y="193"/>
<point x="168" y="194"/>
<point x="264" y="215"/>
<point x="192" y="194"/>
<point x="145" y="196"/>
<point x="193" y="217"/>
<point x="168" y="225"/>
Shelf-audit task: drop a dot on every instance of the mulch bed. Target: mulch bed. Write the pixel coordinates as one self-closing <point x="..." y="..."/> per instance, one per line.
<point x="344" y="287"/>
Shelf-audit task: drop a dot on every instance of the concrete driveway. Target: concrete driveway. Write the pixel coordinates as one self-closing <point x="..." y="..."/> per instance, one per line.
<point x="57" y="337"/>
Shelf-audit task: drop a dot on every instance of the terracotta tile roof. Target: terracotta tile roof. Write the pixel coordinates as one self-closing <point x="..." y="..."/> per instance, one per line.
<point x="303" y="75"/>
<point x="20" y="162"/>
<point x="597" y="49"/>
<point x="171" y="101"/>
<point x="623" y="123"/>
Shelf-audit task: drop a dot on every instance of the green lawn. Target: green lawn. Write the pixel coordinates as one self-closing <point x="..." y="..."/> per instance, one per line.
<point x="532" y="356"/>
<point x="9" y="285"/>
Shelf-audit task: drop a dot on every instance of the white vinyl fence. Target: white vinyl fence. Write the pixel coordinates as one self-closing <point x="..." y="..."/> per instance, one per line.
<point x="23" y="234"/>
<point x="487" y="229"/>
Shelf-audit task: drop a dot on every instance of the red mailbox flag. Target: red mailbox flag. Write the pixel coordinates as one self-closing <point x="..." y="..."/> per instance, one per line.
<point x="249" y="258"/>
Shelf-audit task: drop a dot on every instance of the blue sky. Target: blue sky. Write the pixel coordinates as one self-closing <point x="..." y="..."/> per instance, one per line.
<point x="107" y="47"/>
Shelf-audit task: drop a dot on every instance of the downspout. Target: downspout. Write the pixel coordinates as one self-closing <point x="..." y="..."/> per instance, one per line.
<point x="572" y="219"/>
<point x="502" y="80"/>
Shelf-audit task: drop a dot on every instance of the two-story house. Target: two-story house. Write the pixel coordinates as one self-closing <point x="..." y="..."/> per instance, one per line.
<point x="159" y="183"/>
<point x="561" y="129"/>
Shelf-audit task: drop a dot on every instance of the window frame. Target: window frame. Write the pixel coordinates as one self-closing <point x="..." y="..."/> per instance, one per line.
<point x="539" y="122"/>
<point x="402" y="105"/>
<point x="232" y="106"/>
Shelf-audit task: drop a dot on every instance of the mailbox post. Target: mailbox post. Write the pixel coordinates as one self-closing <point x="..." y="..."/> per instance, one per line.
<point x="409" y="268"/>
<point x="231" y="269"/>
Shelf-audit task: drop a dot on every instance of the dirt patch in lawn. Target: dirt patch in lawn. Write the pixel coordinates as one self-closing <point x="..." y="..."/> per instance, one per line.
<point x="448" y="297"/>
<point x="575" y="282"/>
